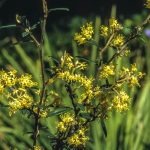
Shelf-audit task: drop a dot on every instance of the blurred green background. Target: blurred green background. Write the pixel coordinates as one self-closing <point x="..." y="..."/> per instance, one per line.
<point x="127" y="131"/>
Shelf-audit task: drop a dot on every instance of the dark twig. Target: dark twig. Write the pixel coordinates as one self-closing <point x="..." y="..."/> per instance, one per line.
<point x="40" y="47"/>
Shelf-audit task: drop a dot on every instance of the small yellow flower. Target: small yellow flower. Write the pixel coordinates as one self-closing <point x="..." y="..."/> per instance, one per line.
<point x="127" y="52"/>
<point x="19" y="101"/>
<point x="134" y="68"/>
<point x="26" y="81"/>
<point x="141" y="75"/>
<point x="80" y="65"/>
<point x="79" y="38"/>
<point x="37" y="147"/>
<point x="114" y="25"/>
<point x="62" y="127"/>
<point x="107" y="70"/>
<point x="121" y="102"/>
<point x="104" y="31"/>
<point x="83" y="80"/>
<point x="1" y="88"/>
<point x="42" y="114"/>
<point x="8" y="79"/>
<point x="85" y="34"/>
<point x="131" y="76"/>
<point x="133" y="81"/>
<point x="69" y="63"/>
<point x="87" y="30"/>
<point x="89" y="94"/>
<point x="67" y="120"/>
<point x="118" y="41"/>
<point x="78" y="139"/>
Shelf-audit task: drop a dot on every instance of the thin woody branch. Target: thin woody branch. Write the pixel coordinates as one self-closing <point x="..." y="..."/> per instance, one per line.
<point x="133" y="35"/>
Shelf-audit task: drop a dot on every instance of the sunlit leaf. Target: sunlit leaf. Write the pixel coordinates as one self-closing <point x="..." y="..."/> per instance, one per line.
<point x="59" y="111"/>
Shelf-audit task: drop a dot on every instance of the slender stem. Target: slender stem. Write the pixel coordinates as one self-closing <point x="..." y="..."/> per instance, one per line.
<point x="37" y="116"/>
<point x="100" y="58"/>
<point x="40" y="47"/>
<point x="102" y="50"/>
<point x="71" y="95"/>
<point x="108" y="43"/>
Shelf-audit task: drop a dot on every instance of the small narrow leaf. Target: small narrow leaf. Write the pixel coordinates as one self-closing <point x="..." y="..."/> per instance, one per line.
<point x="85" y="115"/>
<point x="81" y="106"/>
<point x="88" y="60"/>
<point x="59" y="111"/>
<point x="3" y="105"/>
<point x="8" y="26"/>
<point x="104" y="127"/>
<point x="58" y="9"/>
<point x="92" y="42"/>
<point x="24" y="34"/>
<point x="54" y="59"/>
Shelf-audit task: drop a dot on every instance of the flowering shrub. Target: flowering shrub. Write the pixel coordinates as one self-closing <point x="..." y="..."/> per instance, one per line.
<point x="91" y="97"/>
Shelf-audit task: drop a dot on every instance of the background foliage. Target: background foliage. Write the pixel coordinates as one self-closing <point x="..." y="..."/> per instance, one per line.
<point x="128" y="131"/>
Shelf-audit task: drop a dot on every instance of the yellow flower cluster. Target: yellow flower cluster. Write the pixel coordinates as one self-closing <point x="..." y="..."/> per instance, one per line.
<point x="7" y="79"/>
<point x="19" y="99"/>
<point x="107" y="71"/>
<point x="131" y="75"/>
<point x="25" y="81"/>
<point x="126" y="52"/>
<point x="89" y="94"/>
<point x="16" y="90"/>
<point x="114" y="25"/>
<point x="69" y="75"/>
<point x="77" y="78"/>
<point x="112" y="30"/>
<point x="68" y="63"/>
<point x="67" y="121"/>
<point x="118" y="41"/>
<point x="121" y="102"/>
<point x="78" y="139"/>
<point x="147" y="4"/>
<point x="37" y="147"/>
<point x="92" y="98"/>
<point x="104" y="31"/>
<point x="85" y="34"/>
<point x="42" y="114"/>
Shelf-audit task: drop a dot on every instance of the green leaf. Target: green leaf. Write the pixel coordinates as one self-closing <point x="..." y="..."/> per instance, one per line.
<point x="24" y="34"/>
<point x="3" y="105"/>
<point x="8" y="26"/>
<point x="59" y="111"/>
<point x="142" y="39"/>
<point x="9" y="57"/>
<point x="81" y="107"/>
<point x="6" y="130"/>
<point x="85" y="59"/>
<point x="92" y="42"/>
<point x="104" y="127"/>
<point x="54" y="59"/>
<point x="85" y="115"/>
<point x="58" y="9"/>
